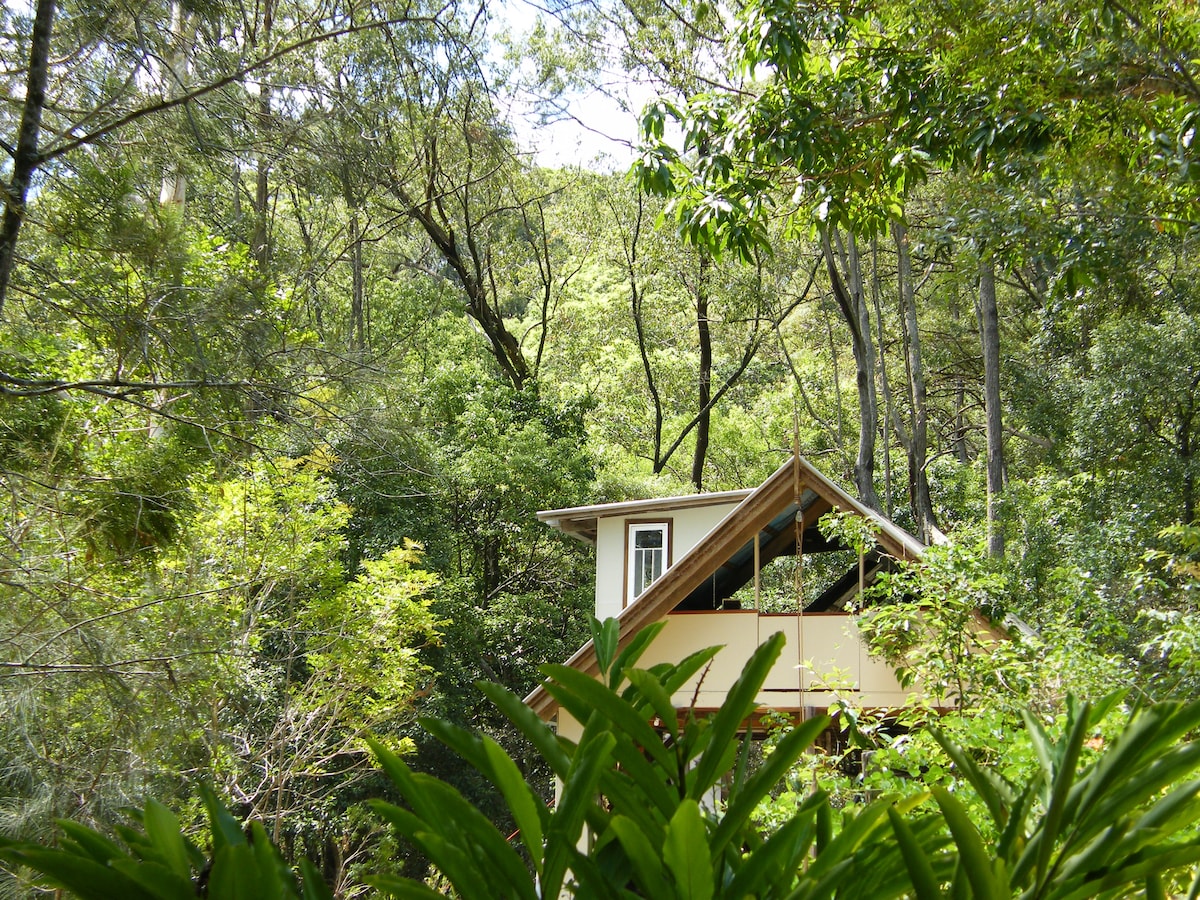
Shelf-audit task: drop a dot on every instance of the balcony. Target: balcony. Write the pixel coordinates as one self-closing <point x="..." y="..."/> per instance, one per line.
<point x="823" y="658"/>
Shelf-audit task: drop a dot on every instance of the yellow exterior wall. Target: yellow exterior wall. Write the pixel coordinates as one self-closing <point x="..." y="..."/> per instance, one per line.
<point x="823" y="654"/>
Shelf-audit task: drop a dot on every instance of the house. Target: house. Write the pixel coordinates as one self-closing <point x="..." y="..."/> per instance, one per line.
<point x="704" y="563"/>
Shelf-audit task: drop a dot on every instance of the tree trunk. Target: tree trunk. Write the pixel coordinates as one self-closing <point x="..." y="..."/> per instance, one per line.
<point x="260" y="241"/>
<point x="918" y="444"/>
<point x="704" y="394"/>
<point x="358" y="339"/>
<point x="890" y="416"/>
<point x="989" y="336"/>
<point x="173" y="193"/>
<point x="25" y="156"/>
<point x="854" y="310"/>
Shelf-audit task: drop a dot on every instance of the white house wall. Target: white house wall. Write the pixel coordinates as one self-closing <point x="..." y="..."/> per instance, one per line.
<point x="688" y="527"/>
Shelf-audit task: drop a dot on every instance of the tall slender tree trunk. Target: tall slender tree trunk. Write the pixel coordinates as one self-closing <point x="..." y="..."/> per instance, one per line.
<point x="358" y="318"/>
<point x="173" y="193"/>
<point x="25" y="155"/>
<point x="890" y="416"/>
<point x="704" y="393"/>
<point x="959" y="440"/>
<point x="260" y="240"/>
<point x="918" y="444"/>
<point x="848" y="291"/>
<point x="989" y="337"/>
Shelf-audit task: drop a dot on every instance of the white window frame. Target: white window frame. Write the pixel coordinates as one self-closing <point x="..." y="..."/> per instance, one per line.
<point x="634" y="528"/>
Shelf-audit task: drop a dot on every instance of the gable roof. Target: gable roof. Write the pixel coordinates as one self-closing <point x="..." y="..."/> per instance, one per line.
<point x="581" y="521"/>
<point x="723" y="560"/>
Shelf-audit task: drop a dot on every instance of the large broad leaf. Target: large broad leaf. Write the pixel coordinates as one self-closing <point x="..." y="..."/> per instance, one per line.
<point x="645" y="856"/>
<point x="584" y="697"/>
<point x="685" y="852"/>
<point x="527" y="722"/>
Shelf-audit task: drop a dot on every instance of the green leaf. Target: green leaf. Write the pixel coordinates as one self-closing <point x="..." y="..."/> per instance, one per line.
<point x="686" y="853"/>
<point x="737" y="706"/>
<point x="657" y="695"/>
<point x="741" y="805"/>
<point x="975" y="858"/>
<point x="633" y="651"/>
<point x="156" y="878"/>
<point x="224" y="827"/>
<point x="312" y="885"/>
<point x="90" y="842"/>
<point x="84" y="876"/>
<point x="235" y="874"/>
<point x="162" y="827"/>
<point x="774" y="865"/>
<point x="532" y="727"/>
<point x="498" y="767"/>
<point x="406" y="888"/>
<point x="583" y="697"/>
<point x="593" y="756"/>
<point x="604" y="640"/>
<point x="924" y="882"/>
<point x="644" y="856"/>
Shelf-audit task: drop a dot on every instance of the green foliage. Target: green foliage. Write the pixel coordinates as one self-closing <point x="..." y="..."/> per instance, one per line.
<point x="932" y="626"/>
<point x="1123" y="822"/>
<point x="160" y="862"/>
<point x="1096" y="816"/>
<point x="650" y="833"/>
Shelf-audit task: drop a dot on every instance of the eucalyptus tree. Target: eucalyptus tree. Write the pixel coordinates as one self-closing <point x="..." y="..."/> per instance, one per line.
<point x="838" y="113"/>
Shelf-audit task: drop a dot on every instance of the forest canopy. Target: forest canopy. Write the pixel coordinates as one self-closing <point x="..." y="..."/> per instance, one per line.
<point x="296" y="338"/>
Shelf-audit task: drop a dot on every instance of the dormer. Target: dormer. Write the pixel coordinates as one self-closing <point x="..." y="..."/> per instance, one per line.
<point x="639" y="540"/>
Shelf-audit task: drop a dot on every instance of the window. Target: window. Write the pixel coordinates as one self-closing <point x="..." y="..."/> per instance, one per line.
<point x="647" y="556"/>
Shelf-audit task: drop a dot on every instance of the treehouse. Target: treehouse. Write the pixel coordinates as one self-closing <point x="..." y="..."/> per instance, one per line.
<point x="731" y="569"/>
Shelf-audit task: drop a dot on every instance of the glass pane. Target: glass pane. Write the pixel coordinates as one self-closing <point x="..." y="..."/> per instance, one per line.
<point x="648" y="539"/>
